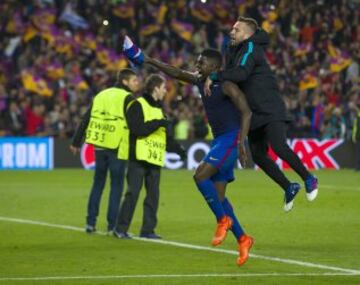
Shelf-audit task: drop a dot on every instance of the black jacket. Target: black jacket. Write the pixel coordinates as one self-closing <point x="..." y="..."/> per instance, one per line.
<point x="14" y="123"/>
<point x="247" y="66"/>
<point x="139" y="128"/>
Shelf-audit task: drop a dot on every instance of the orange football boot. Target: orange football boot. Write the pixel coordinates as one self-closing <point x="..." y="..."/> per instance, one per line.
<point x="223" y="226"/>
<point x="245" y="243"/>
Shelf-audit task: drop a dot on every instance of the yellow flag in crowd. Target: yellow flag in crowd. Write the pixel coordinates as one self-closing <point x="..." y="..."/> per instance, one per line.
<point x="162" y="13"/>
<point x="79" y="83"/>
<point x="309" y="81"/>
<point x="124" y="11"/>
<point x="202" y="12"/>
<point x="150" y="29"/>
<point x="30" y="33"/>
<point x="36" y="84"/>
<point x="182" y="29"/>
<point x="55" y="71"/>
<point x="339" y="60"/>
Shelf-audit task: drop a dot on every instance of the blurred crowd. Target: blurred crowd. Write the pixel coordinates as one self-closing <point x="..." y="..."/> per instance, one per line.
<point x="55" y="55"/>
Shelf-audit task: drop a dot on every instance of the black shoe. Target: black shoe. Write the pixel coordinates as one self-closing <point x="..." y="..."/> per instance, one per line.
<point x="110" y="231"/>
<point x="151" y="236"/>
<point x="90" y="229"/>
<point x="290" y="195"/>
<point x="121" y="235"/>
<point x="311" y="187"/>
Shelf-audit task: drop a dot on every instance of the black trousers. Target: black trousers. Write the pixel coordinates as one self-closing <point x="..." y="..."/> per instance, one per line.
<point x="106" y="160"/>
<point x="137" y="173"/>
<point x="274" y="134"/>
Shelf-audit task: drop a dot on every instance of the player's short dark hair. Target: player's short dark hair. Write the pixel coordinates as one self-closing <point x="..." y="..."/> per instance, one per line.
<point x="251" y="22"/>
<point x="124" y="74"/>
<point x="213" y="55"/>
<point x="152" y="81"/>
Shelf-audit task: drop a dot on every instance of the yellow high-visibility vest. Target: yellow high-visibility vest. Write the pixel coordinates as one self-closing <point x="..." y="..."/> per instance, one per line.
<point x="182" y="130"/>
<point x="355" y="129"/>
<point x="209" y="135"/>
<point x="107" y="126"/>
<point x="152" y="148"/>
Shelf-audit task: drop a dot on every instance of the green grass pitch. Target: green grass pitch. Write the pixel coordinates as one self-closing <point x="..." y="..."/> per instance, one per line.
<point x="316" y="243"/>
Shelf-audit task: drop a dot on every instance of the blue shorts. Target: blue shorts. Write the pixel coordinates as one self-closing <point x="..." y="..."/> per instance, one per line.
<point x="223" y="155"/>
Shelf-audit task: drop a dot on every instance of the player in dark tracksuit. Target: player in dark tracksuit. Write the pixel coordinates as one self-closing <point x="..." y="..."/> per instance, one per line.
<point x="246" y="65"/>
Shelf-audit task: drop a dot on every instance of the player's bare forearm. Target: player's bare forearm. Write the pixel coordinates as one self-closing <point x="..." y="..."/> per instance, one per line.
<point x="172" y="71"/>
<point x="238" y="98"/>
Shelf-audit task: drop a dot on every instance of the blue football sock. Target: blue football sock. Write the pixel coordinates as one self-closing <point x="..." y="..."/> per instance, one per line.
<point x="208" y="190"/>
<point x="236" y="227"/>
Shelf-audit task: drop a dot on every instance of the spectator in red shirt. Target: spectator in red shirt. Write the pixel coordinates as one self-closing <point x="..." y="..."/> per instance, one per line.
<point x="307" y="33"/>
<point x="35" y="120"/>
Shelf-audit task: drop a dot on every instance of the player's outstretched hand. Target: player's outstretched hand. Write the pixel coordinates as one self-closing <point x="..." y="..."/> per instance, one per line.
<point x="74" y="149"/>
<point x="207" y="85"/>
<point x="132" y="52"/>
<point x="242" y="154"/>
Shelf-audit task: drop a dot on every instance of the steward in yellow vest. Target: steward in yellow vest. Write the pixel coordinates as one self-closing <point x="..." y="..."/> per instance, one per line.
<point x="107" y="127"/>
<point x="151" y="148"/>
<point x="148" y="144"/>
<point x="104" y="126"/>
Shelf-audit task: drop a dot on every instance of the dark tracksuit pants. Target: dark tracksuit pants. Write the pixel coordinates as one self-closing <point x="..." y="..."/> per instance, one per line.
<point x="138" y="173"/>
<point x="106" y="160"/>
<point x="274" y="134"/>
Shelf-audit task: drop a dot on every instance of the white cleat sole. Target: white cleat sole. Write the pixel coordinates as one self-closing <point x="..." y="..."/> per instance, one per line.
<point x="288" y="206"/>
<point x="312" y="195"/>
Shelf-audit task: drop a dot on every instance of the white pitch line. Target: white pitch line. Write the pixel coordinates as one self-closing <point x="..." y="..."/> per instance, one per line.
<point x="222" y="275"/>
<point x="38" y="223"/>
<point x="191" y="246"/>
<point x="233" y="252"/>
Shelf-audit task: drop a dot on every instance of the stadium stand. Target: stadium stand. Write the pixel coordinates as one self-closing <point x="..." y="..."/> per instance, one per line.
<point x="56" y="54"/>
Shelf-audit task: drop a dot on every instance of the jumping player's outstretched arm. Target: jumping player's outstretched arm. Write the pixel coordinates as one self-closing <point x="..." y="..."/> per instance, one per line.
<point x="238" y="98"/>
<point x="138" y="57"/>
<point x="172" y="71"/>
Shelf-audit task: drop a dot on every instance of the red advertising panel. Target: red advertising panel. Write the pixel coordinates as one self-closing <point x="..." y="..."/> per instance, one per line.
<point x="314" y="153"/>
